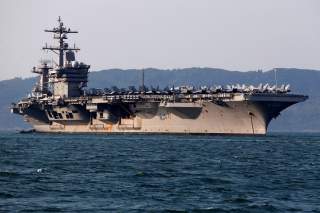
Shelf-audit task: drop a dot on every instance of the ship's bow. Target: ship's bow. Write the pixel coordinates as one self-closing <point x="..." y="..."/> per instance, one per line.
<point x="265" y="107"/>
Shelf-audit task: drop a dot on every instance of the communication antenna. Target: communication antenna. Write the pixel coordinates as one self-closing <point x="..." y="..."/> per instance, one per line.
<point x="275" y="76"/>
<point x="142" y="80"/>
<point x="60" y="33"/>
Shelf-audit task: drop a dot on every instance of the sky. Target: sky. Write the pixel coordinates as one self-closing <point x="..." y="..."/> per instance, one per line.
<point x="238" y="35"/>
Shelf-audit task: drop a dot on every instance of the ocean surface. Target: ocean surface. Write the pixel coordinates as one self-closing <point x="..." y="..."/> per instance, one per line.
<point x="159" y="173"/>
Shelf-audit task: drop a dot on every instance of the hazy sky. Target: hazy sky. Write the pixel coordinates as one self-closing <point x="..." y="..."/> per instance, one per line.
<point x="237" y="35"/>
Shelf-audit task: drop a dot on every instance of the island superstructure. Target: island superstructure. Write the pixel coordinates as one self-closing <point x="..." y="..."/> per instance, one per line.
<point x="60" y="102"/>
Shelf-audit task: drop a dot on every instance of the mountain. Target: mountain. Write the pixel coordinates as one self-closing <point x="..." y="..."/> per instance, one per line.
<point x="302" y="117"/>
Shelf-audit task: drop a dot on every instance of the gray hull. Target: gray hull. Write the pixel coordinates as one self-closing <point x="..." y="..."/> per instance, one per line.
<point x="248" y="115"/>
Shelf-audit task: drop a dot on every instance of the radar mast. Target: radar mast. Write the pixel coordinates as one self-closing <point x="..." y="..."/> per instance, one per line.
<point x="70" y="76"/>
<point x="60" y="33"/>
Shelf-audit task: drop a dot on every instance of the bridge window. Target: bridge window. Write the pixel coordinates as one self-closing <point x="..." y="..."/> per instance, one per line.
<point x="55" y="114"/>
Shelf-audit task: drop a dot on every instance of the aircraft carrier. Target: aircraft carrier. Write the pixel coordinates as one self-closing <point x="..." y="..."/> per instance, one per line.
<point x="60" y="102"/>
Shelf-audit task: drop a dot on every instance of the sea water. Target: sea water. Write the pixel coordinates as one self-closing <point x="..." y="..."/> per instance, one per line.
<point x="159" y="173"/>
